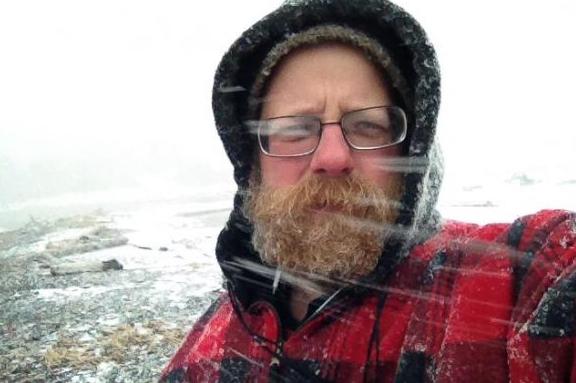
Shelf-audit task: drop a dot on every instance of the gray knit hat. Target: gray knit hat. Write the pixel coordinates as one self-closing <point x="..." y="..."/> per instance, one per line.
<point x="374" y="51"/>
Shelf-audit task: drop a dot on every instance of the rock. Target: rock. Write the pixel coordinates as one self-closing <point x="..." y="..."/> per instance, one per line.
<point x="142" y="247"/>
<point x="112" y="264"/>
<point x="85" y="267"/>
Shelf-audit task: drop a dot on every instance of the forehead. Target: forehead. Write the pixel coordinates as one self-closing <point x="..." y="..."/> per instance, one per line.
<point x="311" y="77"/>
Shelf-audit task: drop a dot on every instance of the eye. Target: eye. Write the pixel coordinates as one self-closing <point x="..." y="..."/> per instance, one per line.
<point x="368" y="129"/>
<point x="296" y="131"/>
<point x="292" y="129"/>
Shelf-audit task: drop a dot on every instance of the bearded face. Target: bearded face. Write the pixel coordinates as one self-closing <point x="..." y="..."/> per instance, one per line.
<point x="333" y="227"/>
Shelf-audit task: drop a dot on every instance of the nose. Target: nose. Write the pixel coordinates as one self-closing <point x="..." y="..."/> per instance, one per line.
<point x="332" y="157"/>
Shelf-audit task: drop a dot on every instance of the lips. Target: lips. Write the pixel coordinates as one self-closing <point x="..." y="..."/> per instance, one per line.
<point x="328" y="208"/>
<point x="341" y="209"/>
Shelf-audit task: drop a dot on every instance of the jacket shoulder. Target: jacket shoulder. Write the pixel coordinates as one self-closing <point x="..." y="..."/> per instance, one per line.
<point x="536" y="251"/>
<point x="543" y="323"/>
<point x="517" y="234"/>
<point x="203" y="342"/>
<point x="530" y="232"/>
<point x="499" y="292"/>
<point x="537" y="255"/>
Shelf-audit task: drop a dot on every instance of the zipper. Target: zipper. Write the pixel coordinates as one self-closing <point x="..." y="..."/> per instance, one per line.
<point x="275" y="363"/>
<point x="317" y="312"/>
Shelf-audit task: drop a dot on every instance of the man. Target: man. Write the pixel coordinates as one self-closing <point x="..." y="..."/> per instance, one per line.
<point x="337" y="266"/>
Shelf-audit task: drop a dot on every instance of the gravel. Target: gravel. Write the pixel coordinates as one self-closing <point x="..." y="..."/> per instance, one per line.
<point x="111" y="326"/>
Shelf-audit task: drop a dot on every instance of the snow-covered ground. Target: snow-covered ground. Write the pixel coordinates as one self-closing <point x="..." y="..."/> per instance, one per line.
<point x="506" y="199"/>
<point x="114" y="325"/>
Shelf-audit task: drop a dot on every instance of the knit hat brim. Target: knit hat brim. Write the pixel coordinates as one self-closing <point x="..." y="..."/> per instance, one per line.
<point x="329" y="33"/>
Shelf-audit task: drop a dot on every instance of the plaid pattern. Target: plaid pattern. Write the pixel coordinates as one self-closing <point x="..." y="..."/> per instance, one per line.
<point x="483" y="304"/>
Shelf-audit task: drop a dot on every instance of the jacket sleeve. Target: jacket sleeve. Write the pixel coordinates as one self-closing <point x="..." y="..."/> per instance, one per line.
<point x="543" y="325"/>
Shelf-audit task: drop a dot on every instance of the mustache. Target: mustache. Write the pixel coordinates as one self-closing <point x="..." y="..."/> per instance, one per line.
<point x="346" y="195"/>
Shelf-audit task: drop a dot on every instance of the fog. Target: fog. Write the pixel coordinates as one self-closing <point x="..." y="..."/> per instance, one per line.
<point x="108" y="103"/>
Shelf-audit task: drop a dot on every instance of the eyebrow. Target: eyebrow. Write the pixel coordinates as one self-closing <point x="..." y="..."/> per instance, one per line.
<point x="298" y="110"/>
<point x="311" y="111"/>
<point x="316" y="108"/>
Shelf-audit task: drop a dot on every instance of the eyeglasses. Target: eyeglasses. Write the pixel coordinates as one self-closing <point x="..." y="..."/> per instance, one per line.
<point x="364" y="129"/>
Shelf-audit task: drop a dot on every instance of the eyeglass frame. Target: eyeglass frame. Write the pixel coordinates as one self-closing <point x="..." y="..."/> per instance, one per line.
<point x="322" y="124"/>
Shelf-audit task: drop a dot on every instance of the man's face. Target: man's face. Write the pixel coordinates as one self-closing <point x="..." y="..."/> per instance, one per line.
<point x="326" y="81"/>
<point x="328" y="212"/>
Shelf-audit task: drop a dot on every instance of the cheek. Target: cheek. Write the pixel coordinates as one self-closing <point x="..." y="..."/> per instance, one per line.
<point x="279" y="172"/>
<point x="375" y="165"/>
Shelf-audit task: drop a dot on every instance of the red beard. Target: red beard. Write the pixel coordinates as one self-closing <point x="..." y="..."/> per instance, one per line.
<point x="334" y="227"/>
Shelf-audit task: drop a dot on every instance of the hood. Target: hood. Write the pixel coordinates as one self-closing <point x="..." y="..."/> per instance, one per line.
<point x="406" y="42"/>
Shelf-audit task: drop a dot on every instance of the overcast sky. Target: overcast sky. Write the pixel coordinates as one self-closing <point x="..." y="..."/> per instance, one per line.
<point x="105" y="94"/>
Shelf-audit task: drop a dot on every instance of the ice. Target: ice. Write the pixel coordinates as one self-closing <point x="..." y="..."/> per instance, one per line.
<point x="75" y="292"/>
<point x="179" y="285"/>
<point x="65" y="235"/>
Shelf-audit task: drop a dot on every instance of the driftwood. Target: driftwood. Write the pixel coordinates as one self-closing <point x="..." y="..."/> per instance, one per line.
<point x="85" y="267"/>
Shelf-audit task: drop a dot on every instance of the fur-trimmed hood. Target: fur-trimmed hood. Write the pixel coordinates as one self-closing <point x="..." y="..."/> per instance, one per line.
<point x="405" y="41"/>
